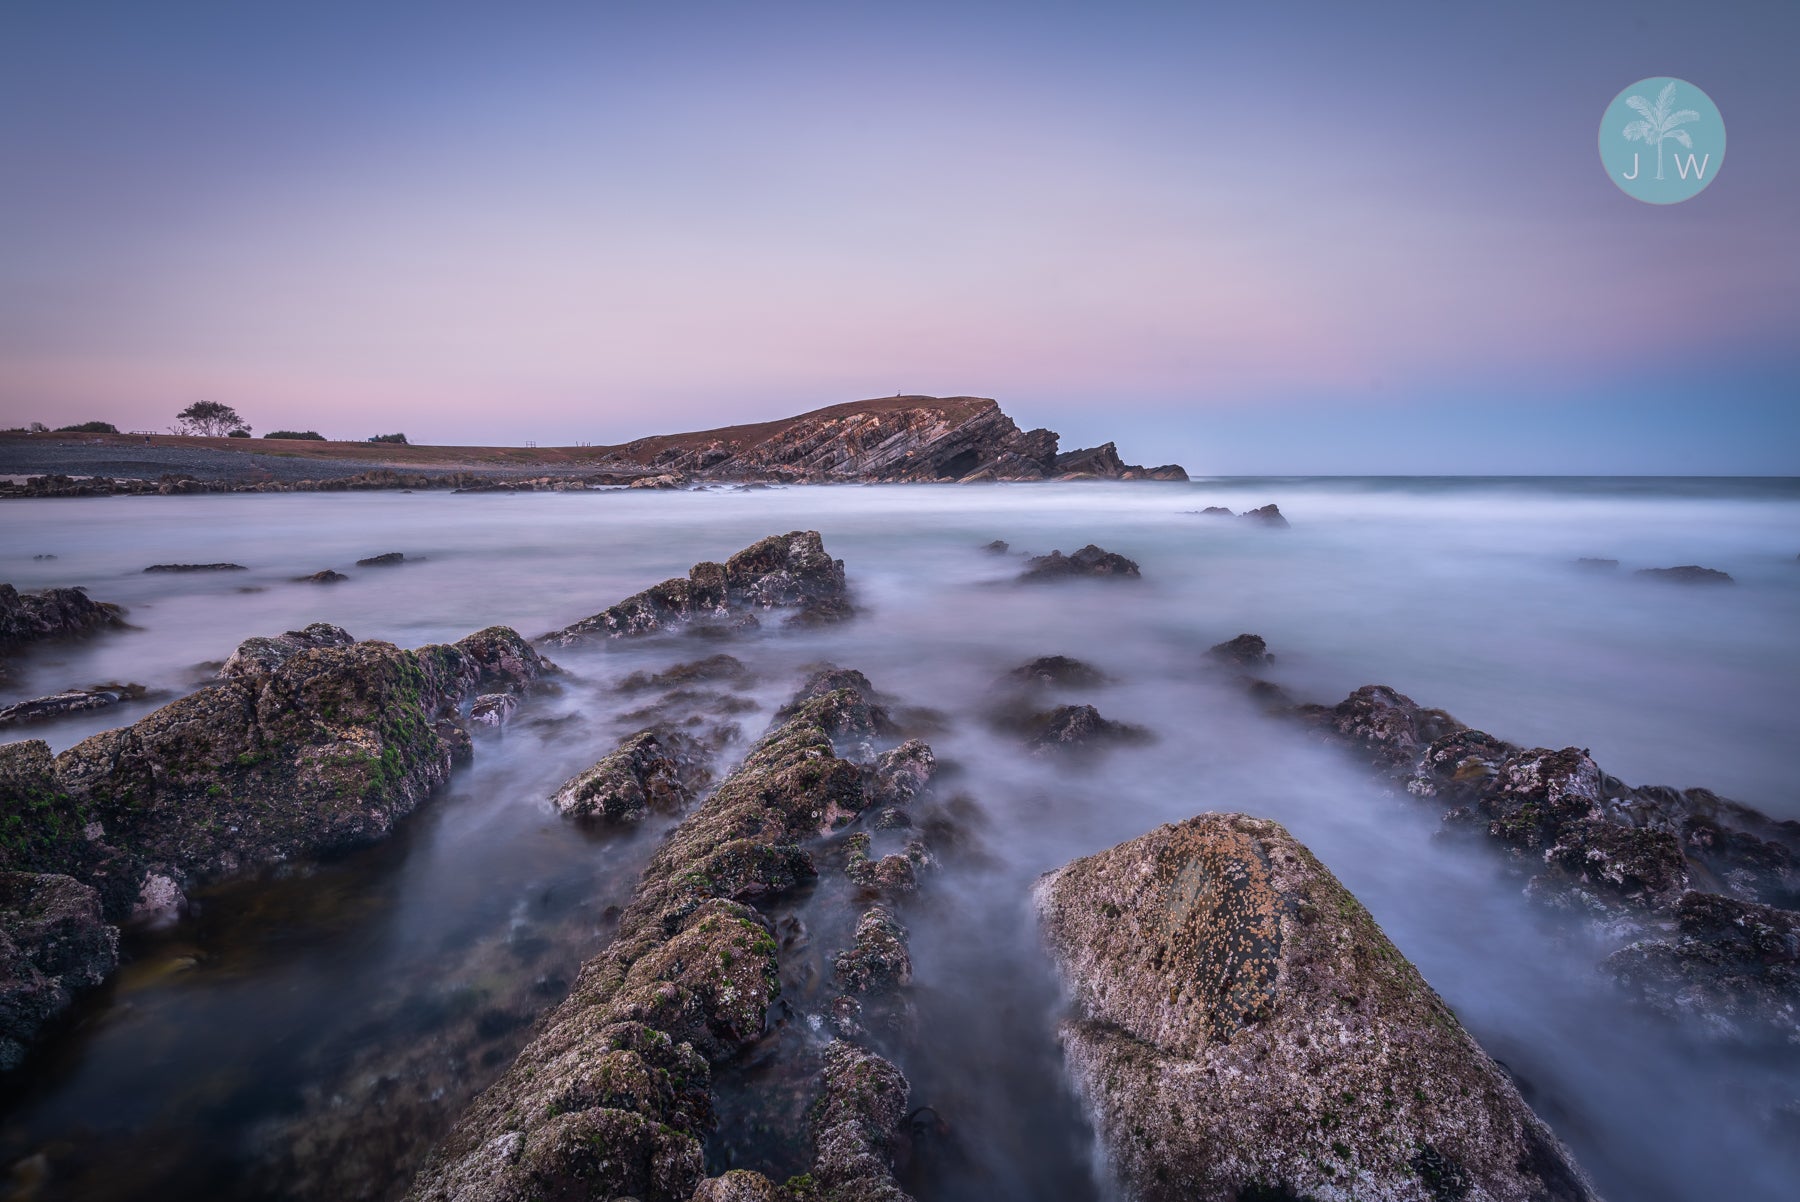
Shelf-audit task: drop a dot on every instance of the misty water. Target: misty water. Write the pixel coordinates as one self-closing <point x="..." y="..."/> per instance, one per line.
<point x="296" y="1030"/>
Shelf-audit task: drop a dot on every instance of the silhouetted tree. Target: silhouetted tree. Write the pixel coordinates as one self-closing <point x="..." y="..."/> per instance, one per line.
<point x="210" y="419"/>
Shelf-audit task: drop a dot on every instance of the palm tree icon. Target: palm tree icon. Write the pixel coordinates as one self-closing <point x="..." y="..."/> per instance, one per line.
<point x="1660" y="122"/>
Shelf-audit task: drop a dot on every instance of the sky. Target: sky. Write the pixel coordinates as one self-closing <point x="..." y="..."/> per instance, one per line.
<point x="1256" y="238"/>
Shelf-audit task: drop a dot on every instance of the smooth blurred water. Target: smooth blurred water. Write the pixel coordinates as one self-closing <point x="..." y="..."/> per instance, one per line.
<point x="1462" y="594"/>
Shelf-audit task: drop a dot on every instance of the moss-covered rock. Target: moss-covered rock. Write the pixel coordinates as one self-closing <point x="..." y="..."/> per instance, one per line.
<point x="788" y="572"/>
<point x="1241" y="1024"/>
<point x="690" y="974"/>
<point x="54" y="945"/>
<point x="651" y="771"/>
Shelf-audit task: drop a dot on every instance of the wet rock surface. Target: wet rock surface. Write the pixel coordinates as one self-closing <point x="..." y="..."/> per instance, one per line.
<point x="788" y="572"/>
<point x="651" y="772"/>
<point x="1089" y="561"/>
<point x="54" y="946"/>
<point x="614" y="1095"/>
<point x="1246" y="650"/>
<point x="1243" y="1029"/>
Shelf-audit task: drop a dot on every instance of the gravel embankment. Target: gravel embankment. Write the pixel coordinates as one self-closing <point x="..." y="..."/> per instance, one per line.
<point x="75" y="457"/>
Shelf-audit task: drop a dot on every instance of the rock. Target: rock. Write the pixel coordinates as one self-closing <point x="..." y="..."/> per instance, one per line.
<point x="1056" y="671"/>
<point x="69" y="701"/>
<point x="902" y="773"/>
<point x="160" y="902"/>
<point x="1457" y="768"/>
<point x="52" y="614"/>
<point x="740" y="1185"/>
<point x="1216" y="511"/>
<point x="196" y="567"/>
<point x="1387" y="724"/>
<point x="1687" y="574"/>
<point x="879" y="962"/>
<point x="998" y="547"/>
<point x="1536" y="794"/>
<point x="388" y="560"/>
<point x="664" y="480"/>
<point x="493" y="709"/>
<point x="285" y="757"/>
<point x="1599" y="863"/>
<point x="1733" y="975"/>
<point x="54" y="945"/>
<point x="1248" y="650"/>
<point x="1243" y="1029"/>
<point x="855" y="1123"/>
<point x="789" y="572"/>
<point x="612" y="1094"/>
<point x="1595" y="564"/>
<point x="1268" y="515"/>
<point x="263" y="654"/>
<point x="325" y="577"/>
<point x="652" y="771"/>
<point x="1089" y="561"/>
<point x="727" y="668"/>
<point x="1077" y="727"/>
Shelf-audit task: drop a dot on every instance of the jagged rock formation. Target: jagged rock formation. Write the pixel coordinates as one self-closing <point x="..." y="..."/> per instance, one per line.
<point x="1089" y="561"/>
<point x="1244" y="1029"/>
<point x="653" y="771"/>
<point x="1633" y="861"/>
<point x="612" y="1098"/>
<point x="909" y="438"/>
<point x="308" y="744"/>
<point x="54" y="613"/>
<point x="784" y="571"/>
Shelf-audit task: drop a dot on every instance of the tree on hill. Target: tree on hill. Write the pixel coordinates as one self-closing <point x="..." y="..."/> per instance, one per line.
<point x="89" y="428"/>
<point x="209" y="419"/>
<point x="308" y="435"/>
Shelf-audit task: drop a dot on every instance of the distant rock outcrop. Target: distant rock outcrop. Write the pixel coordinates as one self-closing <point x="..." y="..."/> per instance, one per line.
<point x="893" y="439"/>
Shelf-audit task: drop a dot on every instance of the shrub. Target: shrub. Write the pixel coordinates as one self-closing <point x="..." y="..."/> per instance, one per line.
<point x="89" y="428"/>
<point x="399" y="438"/>
<point x="240" y="432"/>
<point x="309" y="435"/>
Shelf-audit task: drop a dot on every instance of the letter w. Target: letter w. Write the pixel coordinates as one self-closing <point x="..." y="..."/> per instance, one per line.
<point x="1684" y="168"/>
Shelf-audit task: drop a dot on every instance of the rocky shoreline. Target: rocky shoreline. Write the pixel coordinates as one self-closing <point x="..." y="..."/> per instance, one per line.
<point x="1238" y="1027"/>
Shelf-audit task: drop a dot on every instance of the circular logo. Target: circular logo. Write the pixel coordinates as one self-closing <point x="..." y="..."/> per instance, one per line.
<point x="1662" y="140"/>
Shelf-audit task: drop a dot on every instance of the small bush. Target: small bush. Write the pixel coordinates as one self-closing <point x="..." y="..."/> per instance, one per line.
<point x="309" y="435"/>
<point x="399" y="438"/>
<point x="89" y="428"/>
<point x="240" y="432"/>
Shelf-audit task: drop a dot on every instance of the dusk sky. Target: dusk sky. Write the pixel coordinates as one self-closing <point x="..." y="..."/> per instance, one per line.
<point x="1260" y="238"/>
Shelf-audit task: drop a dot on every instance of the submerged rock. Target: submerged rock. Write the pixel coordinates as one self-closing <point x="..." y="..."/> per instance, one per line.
<point x="1733" y="972"/>
<point x="69" y="701"/>
<point x="1687" y="574"/>
<point x="1268" y="515"/>
<point x="1077" y="727"/>
<point x="714" y="669"/>
<point x="1596" y="564"/>
<point x="1243" y="1029"/>
<point x="1089" y="561"/>
<point x="196" y="567"/>
<point x="1055" y="671"/>
<point x="325" y="577"/>
<point x="789" y="572"/>
<point x="387" y="560"/>
<point x="652" y="771"/>
<point x="1248" y="650"/>
<point x="54" y="945"/>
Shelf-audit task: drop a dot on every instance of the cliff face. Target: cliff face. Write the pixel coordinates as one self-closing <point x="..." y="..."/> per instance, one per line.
<point x="910" y="438"/>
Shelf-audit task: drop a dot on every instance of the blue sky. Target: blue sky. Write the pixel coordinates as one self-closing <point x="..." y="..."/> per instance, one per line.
<point x="1270" y="238"/>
